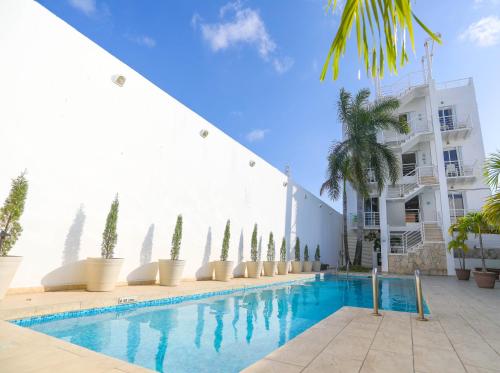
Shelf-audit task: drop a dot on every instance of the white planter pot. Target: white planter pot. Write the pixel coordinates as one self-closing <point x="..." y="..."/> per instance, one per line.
<point x="254" y="269"/>
<point x="283" y="268"/>
<point x="296" y="266"/>
<point x="102" y="273"/>
<point x="308" y="266"/>
<point x="8" y="268"/>
<point x="316" y="266"/>
<point x="270" y="268"/>
<point x="223" y="270"/>
<point x="170" y="271"/>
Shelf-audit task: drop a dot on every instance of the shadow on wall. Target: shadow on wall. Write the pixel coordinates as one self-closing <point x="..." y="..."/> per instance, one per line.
<point x="205" y="272"/>
<point x="72" y="270"/>
<point x="239" y="269"/>
<point x="146" y="273"/>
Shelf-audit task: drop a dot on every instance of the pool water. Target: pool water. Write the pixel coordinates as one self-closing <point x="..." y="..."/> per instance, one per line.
<point x="221" y="333"/>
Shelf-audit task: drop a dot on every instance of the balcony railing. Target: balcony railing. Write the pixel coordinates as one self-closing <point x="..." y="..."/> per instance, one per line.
<point x="458" y="169"/>
<point x="412" y="216"/>
<point x="417" y="126"/>
<point x="404" y="84"/>
<point x="372" y="219"/>
<point x="404" y="242"/>
<point x="452" y="123"/>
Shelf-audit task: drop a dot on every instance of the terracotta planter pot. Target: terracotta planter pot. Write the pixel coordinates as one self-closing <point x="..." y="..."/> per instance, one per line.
<point x="496" y="270"/>
<point x="463" y="274"/>
<point x="254" y="269"/>
<point x="283" y="268"/>
<point x="485" y="280"/>
<point x="170" y="271"/>
<point x="102" y="273"/>
<point x="8" y="268"/>
<point x="223" y="270"/>
<point x="270" y="268"/>
<point x="308" y="266"/>
<point x="296" y="266"/>
<point x="316" y="266"/>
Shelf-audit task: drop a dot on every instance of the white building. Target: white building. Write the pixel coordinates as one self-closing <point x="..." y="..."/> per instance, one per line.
<point x="441" y="176"/>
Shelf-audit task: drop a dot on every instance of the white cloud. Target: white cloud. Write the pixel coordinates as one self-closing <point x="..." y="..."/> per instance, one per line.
<point x="86" y="6"/>
<point x="145" y="41"/>
<point x="256" y="135"/>
<point x="238" y="26"/>
<point x="484" y="33"/>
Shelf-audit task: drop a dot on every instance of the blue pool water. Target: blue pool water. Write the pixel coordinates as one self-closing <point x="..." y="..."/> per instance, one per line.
<point x="223" y="333"/>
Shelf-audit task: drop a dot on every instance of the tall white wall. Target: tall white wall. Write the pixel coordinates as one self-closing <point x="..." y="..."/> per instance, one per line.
<point x="82" y="139"/>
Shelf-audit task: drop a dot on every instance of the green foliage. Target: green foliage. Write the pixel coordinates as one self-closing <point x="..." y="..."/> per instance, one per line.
<point x="317" y="255"/>
<point x="458" y="232"/>
<point x="176" y="239"/>
<point x="492" y="174"/>
<point x="297" y="249"/>
<point x="283" y="250"/>
<point x="380" y="27"/>
<point x="356" y="268"/>
<point x="109" y="236"/>
<point x="225" y="241"/>
<point x="253" y="245"/>
<point x="271" y="252"/>
<point x="10" y="213"/>
<point x="306" y="254"/>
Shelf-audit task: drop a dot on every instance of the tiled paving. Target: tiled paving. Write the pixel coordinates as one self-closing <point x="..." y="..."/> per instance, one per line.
<point x="462" y="335"/>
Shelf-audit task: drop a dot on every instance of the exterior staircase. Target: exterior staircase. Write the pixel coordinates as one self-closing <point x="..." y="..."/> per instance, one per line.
<point x="424" y="176"/>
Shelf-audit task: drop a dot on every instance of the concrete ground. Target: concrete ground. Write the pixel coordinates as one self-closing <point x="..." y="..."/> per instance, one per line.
<point x="462" y="335"/>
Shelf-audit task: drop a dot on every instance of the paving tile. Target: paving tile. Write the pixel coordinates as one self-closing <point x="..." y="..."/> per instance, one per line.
<point x="270" y="366"/>
<point x="393" y="341"/>
<point x="327" y="362"/>
<point x="478" y="354"/>
<point x="432" y="360"/>
<point x="472" y="369"/>
<point x="299" y="351"/>
<point x="352" y="347"/>
<point x="431" y="339"/>
<point x="378" y="361"/>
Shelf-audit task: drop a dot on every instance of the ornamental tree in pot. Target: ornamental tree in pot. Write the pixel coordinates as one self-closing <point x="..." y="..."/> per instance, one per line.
<point x="307" y="267"/>
<point x="270" y="264"/>
<point x="283" y="264"/>
<point x="224" y="267"/>
<point x="458" y="233"/>
<point x="102" y="273"/>
<point x="171" y="269"/>
<point x="254" y="266"/>
<point x="297" y="264"/>
<point x="317" y="261"/>
<point x="10" y="230"/>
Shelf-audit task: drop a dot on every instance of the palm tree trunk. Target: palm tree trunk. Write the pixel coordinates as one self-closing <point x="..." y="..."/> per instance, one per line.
<point x="359" y="232"/>
<point x="344" y="212"/>
<point x="483" y="262"/>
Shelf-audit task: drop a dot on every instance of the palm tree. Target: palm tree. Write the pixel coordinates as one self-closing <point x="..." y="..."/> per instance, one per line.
<point x="382" y="28"/>
<point x="492" y="174"/>
<point x="360" y="151"/>
<point x="458" y="233"/>
<point x="476" y="222"/>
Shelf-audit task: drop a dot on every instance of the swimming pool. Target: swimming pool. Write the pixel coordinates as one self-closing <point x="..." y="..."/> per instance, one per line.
<point x="218" y="333"/>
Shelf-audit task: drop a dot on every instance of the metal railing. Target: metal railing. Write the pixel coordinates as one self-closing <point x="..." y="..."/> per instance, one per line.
<point x="405" y="242"/>
<point x="420" y="297"/>
<point x="451" y="123"/>
<point x="375" y="292"/>
<point x="412" y="216"/>
<point x="454" y="83"/>
<point x="371" y="219"/>
<point x="417" y="126"/>
<point x="408" y="169"/>
<point x="458" y="169"/>
<point x="404" y="84"/>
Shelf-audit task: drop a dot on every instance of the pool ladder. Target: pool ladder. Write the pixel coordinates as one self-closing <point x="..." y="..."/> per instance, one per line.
<point x="420" y="297"/>
<point x="375" y="292"/>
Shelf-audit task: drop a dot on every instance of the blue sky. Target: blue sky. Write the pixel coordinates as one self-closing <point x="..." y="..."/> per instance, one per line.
<point x="252" y="67"/>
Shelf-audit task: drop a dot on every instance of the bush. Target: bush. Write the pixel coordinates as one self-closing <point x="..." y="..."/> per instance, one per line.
<point x="316" y="254"/>
<point x="109" y="236"/>
<point x="253" y="245"/>
<point x="270" y="248"/>
<point x="176" y="239"/>
<point x="306" y="254"/>
<point x="297" y="249"/>
<point x="225" y="242"/>
<point x="11" y="212"/>
<point x="283" y="250"/>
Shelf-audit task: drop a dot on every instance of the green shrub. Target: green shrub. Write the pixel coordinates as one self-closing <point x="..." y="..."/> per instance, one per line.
<point x="316" y="254"/>
<point x="306" y="254"/>
<point x="253" y="245"/>
<point x="297" y="249"/>
<point x="10" y="213"/>
<point x="176" y="239"/>
<point x="283" y="250"/>
<point x="225" y="242"/>
<point x="109" y="236"/>
<point x="270" y="248"/>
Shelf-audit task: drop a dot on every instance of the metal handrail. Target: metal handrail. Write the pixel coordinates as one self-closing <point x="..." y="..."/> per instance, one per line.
<point x="420" y="298"/>
<point x="375" y="292"/>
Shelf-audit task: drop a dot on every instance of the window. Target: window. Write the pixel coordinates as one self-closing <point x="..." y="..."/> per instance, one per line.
<point x="446" y="118"/>
<point x="409" y="163"/>
<point x="452" y="164"/>
<point x="371" y="211"/>
<point x="457" y="207"/>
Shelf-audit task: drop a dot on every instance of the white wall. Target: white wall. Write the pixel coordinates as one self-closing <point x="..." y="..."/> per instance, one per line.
<point x="82" y="139"/>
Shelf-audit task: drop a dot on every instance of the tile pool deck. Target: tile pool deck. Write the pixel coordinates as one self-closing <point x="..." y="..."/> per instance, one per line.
<point x="462" y="335"/>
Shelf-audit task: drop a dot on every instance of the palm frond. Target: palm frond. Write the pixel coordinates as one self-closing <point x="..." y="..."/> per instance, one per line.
<point x="492" y="170"/>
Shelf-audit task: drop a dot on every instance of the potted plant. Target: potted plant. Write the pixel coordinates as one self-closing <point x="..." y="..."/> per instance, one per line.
<point x="317" y="262"/>
<point x="297" y="264"/>
<point x="270" y="264"/>
<point x="254" y="266"/>
<point x="171" y="269"/>
<point x="224" y="267"/>
<point x="102" y="273"/>
<point x="457" y="243"/>
<point x="10" y="230"/>
<point x="283" y="264"/>
<point x="307" y="264"/>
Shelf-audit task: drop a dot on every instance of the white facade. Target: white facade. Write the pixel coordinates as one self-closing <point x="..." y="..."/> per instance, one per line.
<point x="82" y="139"/>
<point x="441" y="167"/>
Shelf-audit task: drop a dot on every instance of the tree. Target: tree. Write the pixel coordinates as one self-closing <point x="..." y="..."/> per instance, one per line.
<point x="492" y="174"/>
<point x="317" y="256"/>
<point x="297" y="249"/>
<point x="10" y="213"/>
<point x="360" y="151"/>
<point x="225" y="241"/>
<point x="176" y="239"/>
<point x="109" y="236"/>
<point x="382" y="28"/>
<point x="306" y="254"/>
<point x="283" y="250"/>
<point x="458" y="232"/>
<point x="476" y="222"/>
<point x="270" y="248"/>
<point x="253" y="245"/>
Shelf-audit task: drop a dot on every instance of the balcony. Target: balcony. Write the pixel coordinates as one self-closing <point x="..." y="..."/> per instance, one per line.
<point x="372" y="220"/>
<point x="420" y="130"/>
<point x="457" y="172"/>
<point x="453" y="128"/>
